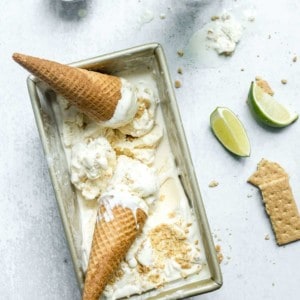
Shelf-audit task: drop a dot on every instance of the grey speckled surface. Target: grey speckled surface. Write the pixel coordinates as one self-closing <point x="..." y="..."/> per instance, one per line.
<point x="34" y="258"/>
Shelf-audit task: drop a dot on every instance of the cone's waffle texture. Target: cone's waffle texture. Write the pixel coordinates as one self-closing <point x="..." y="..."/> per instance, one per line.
<point x="93" y="93"/>
<point x="111" y="242"/>
<point x="279" y="202"/>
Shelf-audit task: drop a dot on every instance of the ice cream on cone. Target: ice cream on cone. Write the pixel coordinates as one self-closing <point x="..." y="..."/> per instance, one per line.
<point x="116" y="229"/>
<point x="104" y="98"/>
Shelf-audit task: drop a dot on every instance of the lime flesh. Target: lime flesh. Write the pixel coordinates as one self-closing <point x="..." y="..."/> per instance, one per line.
<point x="230" y="131"/>
<point x="267" y="110"/>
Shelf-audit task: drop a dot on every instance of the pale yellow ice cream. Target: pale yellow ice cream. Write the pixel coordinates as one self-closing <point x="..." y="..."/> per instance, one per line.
<point x="132" y="165"/>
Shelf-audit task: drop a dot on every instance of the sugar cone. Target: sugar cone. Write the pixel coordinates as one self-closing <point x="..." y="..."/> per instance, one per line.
<point x="111" y="242"/>
<point x="93" y="93"/>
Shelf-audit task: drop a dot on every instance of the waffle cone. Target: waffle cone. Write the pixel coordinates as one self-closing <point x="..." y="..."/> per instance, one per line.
<point x="93" y="93"/>
<point x="111" y="242"/>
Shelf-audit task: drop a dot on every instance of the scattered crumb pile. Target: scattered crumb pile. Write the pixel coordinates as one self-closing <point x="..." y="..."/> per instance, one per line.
<point x="170" y="243"/>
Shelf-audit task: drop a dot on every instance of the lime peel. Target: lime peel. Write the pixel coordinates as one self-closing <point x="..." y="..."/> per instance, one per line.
<point x="267" y="110"/>
<point x="230" y="131"/>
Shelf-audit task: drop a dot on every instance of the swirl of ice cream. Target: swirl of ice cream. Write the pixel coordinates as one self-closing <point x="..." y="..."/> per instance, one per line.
<point x="143" y="120"/>
<point x="126" y="108"/>
<point x="142" y="148"/>
<point x="133" y="185"/>
<point x="92" y="166"/>
<point x="135" y="177"/>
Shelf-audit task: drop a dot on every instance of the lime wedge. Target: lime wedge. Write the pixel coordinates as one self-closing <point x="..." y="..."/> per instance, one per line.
<point x="267" y="110"/>
<point x="230" y="131"/>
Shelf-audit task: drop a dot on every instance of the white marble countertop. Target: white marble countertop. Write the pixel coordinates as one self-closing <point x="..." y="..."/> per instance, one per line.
<point x="34" y="257"/>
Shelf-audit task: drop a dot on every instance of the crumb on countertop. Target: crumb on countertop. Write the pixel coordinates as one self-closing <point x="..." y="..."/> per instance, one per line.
<point x="283" y="81"/>
<point x="177" y="84"/>
<point x="180" y="52"/>
<point x="179" y="71"/>
<point x="214" y="18"/>
<point x="220" y="256"/>
<point x="251" y="18"/>
<point x="267" y="237"/>
<point x="295" y="58"/>
<point x="213" y="183"/>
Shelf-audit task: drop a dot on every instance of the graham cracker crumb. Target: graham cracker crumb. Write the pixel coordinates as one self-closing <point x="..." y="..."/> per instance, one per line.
<point x="160" y="285"/>
<point x="283" y="81"/>
<point x="179" y="71"/>
<point x="143" y="269"/>
<point x="214" y="18"/>
<point x="177" y="84"/>
<point x="264" y="85"/>
<point x="180" y="52"/>
<point x="168" y="242"/>
<point x="155" y="278"/>
<point x="218" y="248"/>
<point x="267" y="237"/>
<point x="162" y="197"/>
<point x="172" y="214"/>
<point x="143" y="105"/>
<point x="213" y="184"/>
<point x="117" y="275"/>
<point x="196" y="242"/>
<point x="295" y="58"/>
<point x="220" y="257"/>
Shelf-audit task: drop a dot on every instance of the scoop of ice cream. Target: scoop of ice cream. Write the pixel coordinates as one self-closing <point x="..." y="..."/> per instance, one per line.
<point x="92" y="166"/>
<point x="72" y="122"/>
<point x="143" y="120"/>
<point x="141" y="148"/>
<point x="135" y="177"/>
<point x="224" y="34"/>
<point x="126" y="107"/>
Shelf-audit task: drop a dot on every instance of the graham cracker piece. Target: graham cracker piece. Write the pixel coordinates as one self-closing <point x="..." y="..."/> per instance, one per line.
<point x="267" y="171"/>
<point x="279" y="201"/>
<point x="264" y="85"/>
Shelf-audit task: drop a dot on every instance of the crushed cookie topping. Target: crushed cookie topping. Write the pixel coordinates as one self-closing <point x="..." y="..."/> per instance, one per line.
<point x="169" y="242"/>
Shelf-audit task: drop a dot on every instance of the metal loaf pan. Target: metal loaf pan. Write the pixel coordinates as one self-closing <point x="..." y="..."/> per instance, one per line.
<point x="150" y="56"/>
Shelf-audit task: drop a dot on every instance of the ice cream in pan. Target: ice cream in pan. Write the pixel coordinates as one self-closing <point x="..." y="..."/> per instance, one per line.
<point x="140" y="241"/>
